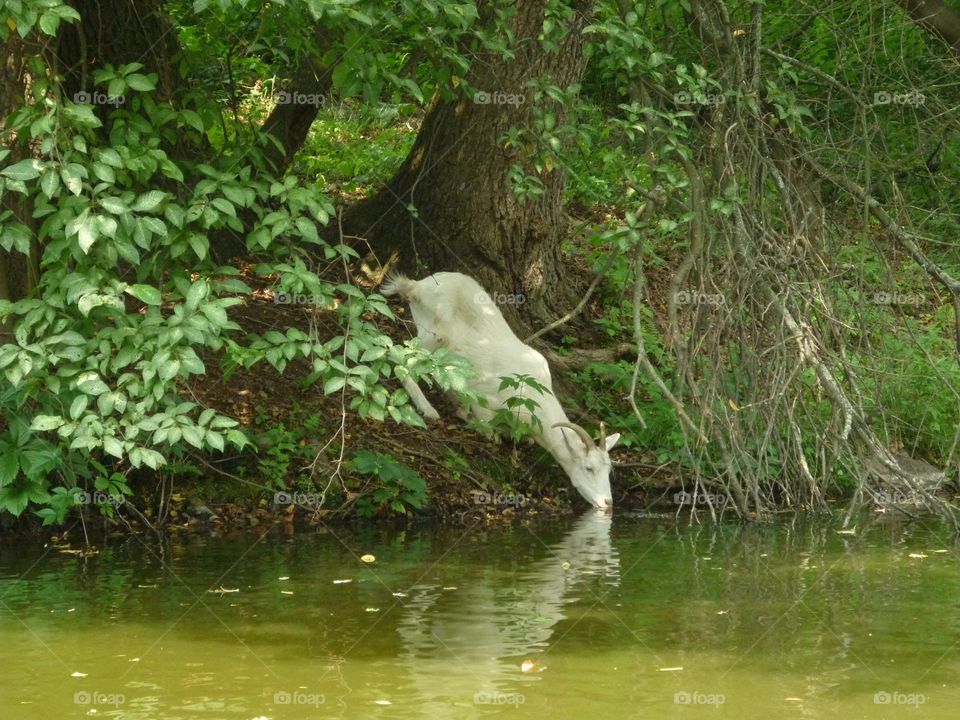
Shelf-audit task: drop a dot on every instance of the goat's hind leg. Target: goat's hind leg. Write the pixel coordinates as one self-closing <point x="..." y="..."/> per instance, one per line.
<point x="420" y="400"/>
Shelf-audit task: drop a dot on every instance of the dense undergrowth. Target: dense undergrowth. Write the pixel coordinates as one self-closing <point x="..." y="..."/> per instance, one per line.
<point x="109" y="389"/>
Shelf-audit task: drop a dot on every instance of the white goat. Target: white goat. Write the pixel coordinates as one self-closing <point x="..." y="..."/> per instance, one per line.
<point x="451" y="310"/>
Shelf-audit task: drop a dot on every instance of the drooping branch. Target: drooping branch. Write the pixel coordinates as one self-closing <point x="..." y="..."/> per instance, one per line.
<point x="905" y="238"/>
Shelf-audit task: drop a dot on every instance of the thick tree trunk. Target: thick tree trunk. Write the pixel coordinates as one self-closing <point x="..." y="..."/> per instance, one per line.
<point x="451" y="205"/>
<point x="298" y="106"/>
<point x="937" y="17"/>
<point x="18" y="271"/>
<point x="117" y="32"/>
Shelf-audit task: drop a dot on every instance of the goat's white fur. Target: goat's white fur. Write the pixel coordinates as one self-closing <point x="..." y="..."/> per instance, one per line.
<point x="453" y="311"/>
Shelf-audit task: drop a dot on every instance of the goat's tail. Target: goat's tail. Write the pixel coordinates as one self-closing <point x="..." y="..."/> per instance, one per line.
<point x="398" y="284"/>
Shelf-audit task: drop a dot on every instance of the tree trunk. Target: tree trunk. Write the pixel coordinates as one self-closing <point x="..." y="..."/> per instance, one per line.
<point x="18" y="271"/>
<point x="937" y="17"/>
<point x="297" y="107"/>
<point x="451" y="206"/>
<point x="117" y="32"/>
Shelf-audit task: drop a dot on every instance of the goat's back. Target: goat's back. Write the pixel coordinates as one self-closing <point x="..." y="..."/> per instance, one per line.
<point x="452" y="306"/>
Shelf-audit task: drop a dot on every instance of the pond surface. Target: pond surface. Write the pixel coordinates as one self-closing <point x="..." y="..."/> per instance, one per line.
<point x="629" y="618"/>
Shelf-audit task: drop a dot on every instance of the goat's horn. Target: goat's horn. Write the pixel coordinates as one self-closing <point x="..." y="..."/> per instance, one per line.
<point x="581" y="433"/>
<point x="603" y="434"/>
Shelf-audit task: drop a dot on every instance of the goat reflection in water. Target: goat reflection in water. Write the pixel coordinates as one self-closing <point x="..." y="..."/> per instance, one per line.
<point x="473" y="644"/>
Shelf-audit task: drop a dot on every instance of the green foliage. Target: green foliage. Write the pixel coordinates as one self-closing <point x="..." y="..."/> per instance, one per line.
<point x="518" y="419"/>
<point x="400" y="491"/>
<point x="353" y="148"/>
<point x="130" y="303"/>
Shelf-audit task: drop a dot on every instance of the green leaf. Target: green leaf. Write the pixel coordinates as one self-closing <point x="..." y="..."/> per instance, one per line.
<point x="192" y="119"/>
<point x="334" y="384"/>
<point x="197" y="292"/>
<point x="146" y="294"/>
<point x="43" y="423"/>
<point x="90" y="383"/>
<point x="142" y="83"/>
<point x="111" y="157"/>
<point x="224" y="206"/>
<point x="49" y="23"/>
<point x="23" y="170"/>
<point x="9" y="467"/>
<point x="78" y="406"/>
<point x="72" y="178"/>
<point x="193" y="435"/>
<point x="88" y="233"/>
<point x="50" y="183"/>
<point x="112" y="446"/>
<point x="114" y="205"/>
<point x="215" y="440"/>
<point x="104" y="172"/>
<point x="149" y="201"/>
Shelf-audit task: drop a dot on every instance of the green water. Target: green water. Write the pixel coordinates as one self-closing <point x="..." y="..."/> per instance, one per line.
<point x="629" y="618"/>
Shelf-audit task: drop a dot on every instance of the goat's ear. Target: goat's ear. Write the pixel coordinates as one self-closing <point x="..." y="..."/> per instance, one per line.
<point x="611" y="440"/>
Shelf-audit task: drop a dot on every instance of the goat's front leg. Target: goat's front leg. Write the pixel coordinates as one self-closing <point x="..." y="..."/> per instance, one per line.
<point x="420" y="400"/>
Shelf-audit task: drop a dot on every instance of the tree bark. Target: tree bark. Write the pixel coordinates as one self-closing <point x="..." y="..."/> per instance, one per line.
<point x="451" y="206"/>
<point x="937" y="17"/>
<point x="18" y="272"/>
<point x="290" y="121"/>
<point x="117" y="32"/>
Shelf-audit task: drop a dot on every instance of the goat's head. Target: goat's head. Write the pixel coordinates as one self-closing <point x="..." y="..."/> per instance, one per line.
<point x="589" y="463"/>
